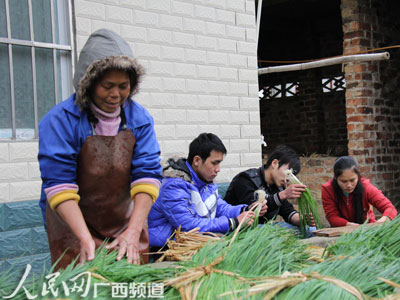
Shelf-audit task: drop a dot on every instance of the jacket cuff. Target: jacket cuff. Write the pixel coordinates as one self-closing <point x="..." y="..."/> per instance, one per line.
<point x="291" y="215"/>
<point x="233" y="223"/>
<point x="277" y="199"/>
<point x="63" y="196"/>
<point x="147" y="188"/>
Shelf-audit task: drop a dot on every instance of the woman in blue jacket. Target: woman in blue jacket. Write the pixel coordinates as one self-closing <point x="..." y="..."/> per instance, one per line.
<point x="99" y="158"/>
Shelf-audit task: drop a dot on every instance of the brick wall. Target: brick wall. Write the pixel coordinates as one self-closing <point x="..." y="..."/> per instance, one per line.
<point x="201" y="66"/>
<point x="315" y="171"/>
<point x="372" y="95"/>
<point x="311" y="121"/>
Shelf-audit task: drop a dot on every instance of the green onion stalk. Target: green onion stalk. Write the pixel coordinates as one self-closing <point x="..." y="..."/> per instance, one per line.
<point x="307" y="204"/>
<point x="259" y="196"/>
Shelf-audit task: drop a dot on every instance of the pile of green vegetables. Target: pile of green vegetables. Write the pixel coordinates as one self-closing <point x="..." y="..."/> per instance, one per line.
<point x="265" y="262"/>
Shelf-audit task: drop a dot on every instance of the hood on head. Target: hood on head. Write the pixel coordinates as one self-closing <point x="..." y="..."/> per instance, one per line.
<point x="103" y="51"/>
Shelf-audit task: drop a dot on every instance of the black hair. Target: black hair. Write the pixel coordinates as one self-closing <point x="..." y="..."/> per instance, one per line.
<point x="285" y="155"/>
<point x="203" y="145"/>
<point x="345" y="163"/>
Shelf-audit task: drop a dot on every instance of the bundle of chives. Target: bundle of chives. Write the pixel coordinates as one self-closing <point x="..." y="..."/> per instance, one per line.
<point x="385" y="237"/>
<point x="307" y="204"/>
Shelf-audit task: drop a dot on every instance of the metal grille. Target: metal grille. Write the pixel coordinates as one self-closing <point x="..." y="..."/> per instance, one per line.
<point x="37" y="43"/>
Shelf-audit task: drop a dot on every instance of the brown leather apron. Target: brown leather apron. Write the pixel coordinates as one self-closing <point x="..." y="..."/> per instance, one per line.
<point x="103" y="177"/>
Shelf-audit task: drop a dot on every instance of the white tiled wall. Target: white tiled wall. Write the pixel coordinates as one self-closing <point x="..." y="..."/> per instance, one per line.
<point x="201" y="63"/>
<point x="19" y="171"/>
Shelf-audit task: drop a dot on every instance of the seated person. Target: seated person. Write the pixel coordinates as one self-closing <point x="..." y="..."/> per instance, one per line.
<point x="347" y="198"/>
<point x="272" y="179"/>
<point x="189" y="196"/>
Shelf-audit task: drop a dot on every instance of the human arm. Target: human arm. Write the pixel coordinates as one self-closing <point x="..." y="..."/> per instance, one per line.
<point x="128" y="241"/>
<point x="378" y="200"/>
<point x="70" y="212"/>
<point x="295" y="220"/>
<point x="383" y="219"/>
<point x="177" y="201"/>
<point x="292" y="191"/>
<point x="331" y="208"/>
<point x="231" y="211"/>
<point x="59" y="145"/>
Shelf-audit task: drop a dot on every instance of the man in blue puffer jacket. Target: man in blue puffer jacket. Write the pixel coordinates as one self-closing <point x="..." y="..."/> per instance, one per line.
<point x="189" y="196"/>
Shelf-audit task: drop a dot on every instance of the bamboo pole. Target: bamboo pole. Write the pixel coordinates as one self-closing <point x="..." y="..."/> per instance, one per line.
<point x="325" y="62"/>
<point x="259" y="9"/>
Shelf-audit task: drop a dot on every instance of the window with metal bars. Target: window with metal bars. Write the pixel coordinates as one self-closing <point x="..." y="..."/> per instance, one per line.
<point x="36" y="63"/>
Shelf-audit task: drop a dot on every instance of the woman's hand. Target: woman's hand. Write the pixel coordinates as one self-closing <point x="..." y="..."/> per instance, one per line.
<point x="383" y="219"/>
<point x="127" y="244"/>
<point x="128" y="241"/>
<point x="87" y="250"/>
<point x="351" y="224"/>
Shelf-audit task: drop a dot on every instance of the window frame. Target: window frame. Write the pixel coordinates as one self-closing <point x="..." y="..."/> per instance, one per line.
<point x="10" y="42"/>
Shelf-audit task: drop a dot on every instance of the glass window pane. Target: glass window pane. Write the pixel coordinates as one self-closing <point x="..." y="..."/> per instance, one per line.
<point x="19" y="19"/>
<point x="3" y="20"/>
<point x="61" y="20"/>
<point x="44" y="81"/>
<point x="23" y="91"/>
<point x="41" y="21"/>
<point x="64" y="76"/>
<point x="5" y="92"/>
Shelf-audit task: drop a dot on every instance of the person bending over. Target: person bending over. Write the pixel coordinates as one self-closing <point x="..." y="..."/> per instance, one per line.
<point x="347" y="197"/>
<point x="271" y="178"/>
<point x="189" y="196"/>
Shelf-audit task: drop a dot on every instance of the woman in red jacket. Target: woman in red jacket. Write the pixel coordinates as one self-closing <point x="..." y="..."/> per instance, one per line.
<point x="347" y="198"/>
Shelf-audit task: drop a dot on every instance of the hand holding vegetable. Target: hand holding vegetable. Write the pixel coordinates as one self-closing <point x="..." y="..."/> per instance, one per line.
<point x="307" y="204"/>
<point x="247" y="217"/>
<point x="263" y="209"/>
<point x="310" y="220"/>
<point x="383" y="219"/>
<point x="352" y="224"/>
<point x="292" y="191"/>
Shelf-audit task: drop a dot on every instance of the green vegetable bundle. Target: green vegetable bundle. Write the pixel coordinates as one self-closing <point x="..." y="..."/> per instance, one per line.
<point x="307" y="205"/>
<point x="266" y="262"/>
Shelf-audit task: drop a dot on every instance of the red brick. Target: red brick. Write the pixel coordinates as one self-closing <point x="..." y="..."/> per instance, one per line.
<point x="356" y="101"/>
<point x="365" y="110"/>
<point x="363" y="92"/>
<point x="369" y="144"/>
<point x="388" y="176"/>
<point x="364" y="169"/>
<point x="369" y="126"/>
<point x="357" y="118"/>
